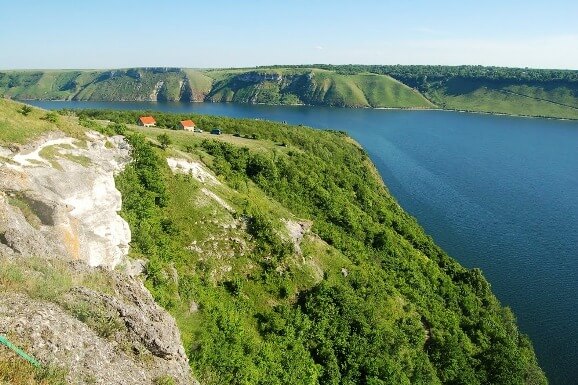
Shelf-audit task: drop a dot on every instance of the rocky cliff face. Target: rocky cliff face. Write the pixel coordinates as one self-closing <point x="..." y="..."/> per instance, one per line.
<point x="119" y="337"/>
<point x="57" y="197"/>
<point x="258" y="77"/>
<point x="59" y="218"/>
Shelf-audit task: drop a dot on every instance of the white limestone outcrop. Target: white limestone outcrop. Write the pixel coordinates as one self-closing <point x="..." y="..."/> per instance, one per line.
<point x="58" y="197"/>
<point x="197" y="170"/>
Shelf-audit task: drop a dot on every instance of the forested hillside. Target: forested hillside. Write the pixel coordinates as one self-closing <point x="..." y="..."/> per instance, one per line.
<point x="516" y="91"/>
<point x="296" y="266"/>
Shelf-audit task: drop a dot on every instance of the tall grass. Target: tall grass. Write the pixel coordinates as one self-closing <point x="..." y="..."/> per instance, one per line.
<point x="16" y="128"/>
<point x="16" y="371"/>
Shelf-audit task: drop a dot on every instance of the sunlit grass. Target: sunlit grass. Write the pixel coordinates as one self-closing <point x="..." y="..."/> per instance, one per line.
<point x="16" y="371"/>
<point x="16" y="128"/>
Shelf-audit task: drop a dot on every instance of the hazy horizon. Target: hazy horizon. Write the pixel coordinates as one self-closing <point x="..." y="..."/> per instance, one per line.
<point x="112" y="34"/>
<point x="312" y="65"/>
<point x="135" y="65"/>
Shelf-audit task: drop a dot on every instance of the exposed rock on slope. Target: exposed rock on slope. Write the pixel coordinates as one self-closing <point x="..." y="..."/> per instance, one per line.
<point x="58" y="198"/>
<point x="197" y="171"/>
<point x="122" y="337"/>
<point x="193" y="168"/>
<point x="296" y="231"/>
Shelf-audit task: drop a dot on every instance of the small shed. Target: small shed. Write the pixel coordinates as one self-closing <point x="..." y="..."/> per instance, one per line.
<point x="188" y="125"/>
<point x="216" y="131"/>
<point x="147" y="121"/>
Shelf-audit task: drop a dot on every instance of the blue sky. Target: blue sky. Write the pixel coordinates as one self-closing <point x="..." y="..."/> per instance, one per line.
<point x="217" y="33"/>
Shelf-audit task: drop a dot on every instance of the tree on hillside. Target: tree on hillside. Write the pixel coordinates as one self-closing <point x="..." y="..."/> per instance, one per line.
<point x="164" y="141"/>
<point x="51" y="117"/>
<point x="25" y="110"/>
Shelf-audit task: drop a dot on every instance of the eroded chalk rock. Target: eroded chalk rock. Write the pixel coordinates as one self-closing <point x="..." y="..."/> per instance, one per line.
<point x="65" y="190"/>
<point x="196" y="169"/>
<point x="57" y="338"/>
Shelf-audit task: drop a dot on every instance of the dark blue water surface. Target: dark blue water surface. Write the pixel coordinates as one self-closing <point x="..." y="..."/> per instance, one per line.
<point x="496" y="192"/>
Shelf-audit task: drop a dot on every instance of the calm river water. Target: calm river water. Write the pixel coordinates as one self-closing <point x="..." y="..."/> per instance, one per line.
<point x="496" y="192"/>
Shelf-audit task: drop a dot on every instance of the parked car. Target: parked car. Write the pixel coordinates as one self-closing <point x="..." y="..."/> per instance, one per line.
<point x="198" y="130"/>
<point x="216" y="131"/>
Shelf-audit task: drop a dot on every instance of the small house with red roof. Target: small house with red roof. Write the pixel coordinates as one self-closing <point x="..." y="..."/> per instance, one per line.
<point x="147" y="121"/>
<point x="188" y="125"/>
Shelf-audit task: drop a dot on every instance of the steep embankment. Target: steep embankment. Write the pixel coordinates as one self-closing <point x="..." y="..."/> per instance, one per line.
<point x="284" y="259"/>
<point x="155" y="84"/>
<point x="50" y="85"/>
<point x="313" y="87"/>
<point x="59" y="220"/>
<point x="300" y="86"/>
<point x="529" y="92"/>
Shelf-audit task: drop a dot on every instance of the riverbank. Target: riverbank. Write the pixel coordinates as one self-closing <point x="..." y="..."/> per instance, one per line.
<point x="513" y="92"/>
<point x="475" y="112"/>
<point x="39" y="102"/>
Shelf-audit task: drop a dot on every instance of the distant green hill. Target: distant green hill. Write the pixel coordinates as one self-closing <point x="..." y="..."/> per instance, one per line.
<point x="162" y="84"/>
<point x="554" y="99"/>
<point x="515" y="91"/>
<point x="314" y="87"/>
<point x="44" y="84"/>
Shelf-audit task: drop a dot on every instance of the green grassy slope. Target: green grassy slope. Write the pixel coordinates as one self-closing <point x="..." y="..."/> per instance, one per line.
<point x="369" y="299"/>
<point x="273" y="86"/>
<point x="144" y="84"/>
<point x="313" y="86"/>
<point x="382" y="91"/>
<point x="43" y="84"/>
<point x="17" y="128"/>
<point x="200" y="84"/>
<point x="135" y="84"/>
<point x="516" y="91"/>
<point x="548" y="100"/>
<point x="530" y="92"/>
